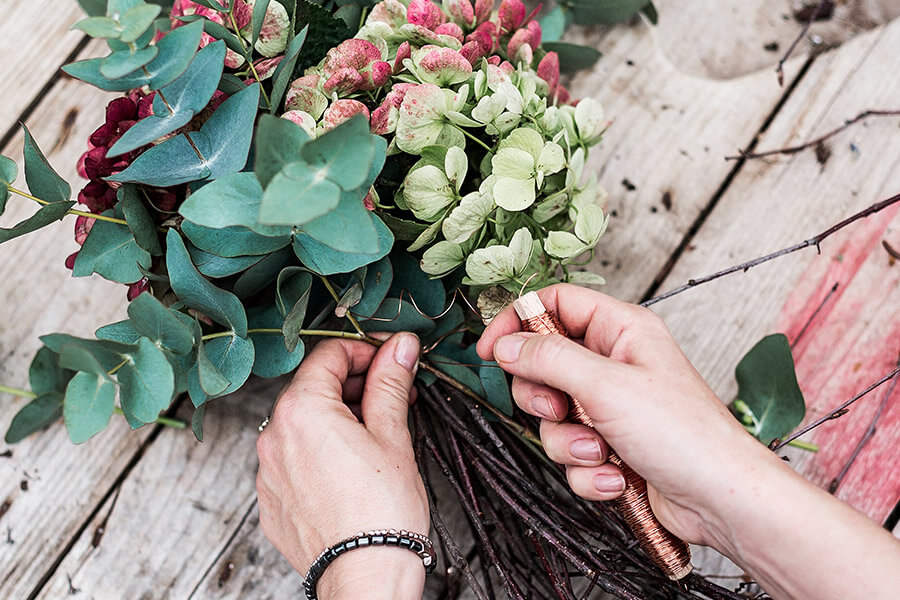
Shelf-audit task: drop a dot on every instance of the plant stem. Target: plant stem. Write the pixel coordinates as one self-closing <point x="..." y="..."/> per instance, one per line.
<point x="312" y="332"/>
<point x="337" y="299"/>
<point x="117" y="367"/>
<point x="173" y="423"/>
<point x="474" y="139"/>
<point x="248" y="54"/>
<point x="71" y="211"/>
<point x="17" y="391"/>
<point x="803" y="445"/>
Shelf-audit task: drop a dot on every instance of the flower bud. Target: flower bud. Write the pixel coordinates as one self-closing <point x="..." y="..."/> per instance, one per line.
<point x="460" y="11"/>
<point x="512" y="13"/>
<point x="548" y="70"/>
<point x="403" y="52"/>
<point x="424" y="13"/>
<point x="451" y="29"/>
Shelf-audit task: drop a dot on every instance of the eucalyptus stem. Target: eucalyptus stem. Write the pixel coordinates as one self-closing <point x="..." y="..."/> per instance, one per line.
<point x="337" y="299"/>
<point x="167" y="422"/>
<point x="17" y="391"/>
<point x="248" y="54"/>
<point x="71" y="211"/>
<point x="311" y="332"/>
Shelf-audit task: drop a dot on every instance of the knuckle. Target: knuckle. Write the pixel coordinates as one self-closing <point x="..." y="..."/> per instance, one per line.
<point x="394" y="386"/>
<point x="264" y="449"/>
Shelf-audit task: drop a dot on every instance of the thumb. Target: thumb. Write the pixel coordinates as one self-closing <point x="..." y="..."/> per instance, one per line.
<point x="385" y="400"/>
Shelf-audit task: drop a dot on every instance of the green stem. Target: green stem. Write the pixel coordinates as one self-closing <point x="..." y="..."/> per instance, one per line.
<point x="312" y="332"/>
<point x="248" y="54"/>
<point x="474" y="139"/>
<point x="17" y="392"/>
<point x="118" y="366"/>
<point x="803" y="445"/>
<point x="337" y="299"/>
<point x="71" y="211"/>
<point x="174" y="423"/>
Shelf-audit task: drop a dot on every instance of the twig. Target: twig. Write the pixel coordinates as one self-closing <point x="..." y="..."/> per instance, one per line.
<point x="745" y="266"/>
<point x="815" y="142"/>
<point x="870" y="431"/>
<point x="816" y="312"/>
<point x="779" y="70"/>
<point x="837" y="412"/>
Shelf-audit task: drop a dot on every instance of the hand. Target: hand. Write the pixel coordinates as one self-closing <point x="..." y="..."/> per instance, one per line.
<point x="324" y="474"/>
<point x="709" y="481"/>
<point x="645" y="398"/>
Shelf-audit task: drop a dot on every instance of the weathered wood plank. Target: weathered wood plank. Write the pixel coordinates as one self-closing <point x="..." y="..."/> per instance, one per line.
<point x="35" y="39"/>
<point x="175" y="511"/>
<point x="64" y="482"/>
<point x="773" y="203"/>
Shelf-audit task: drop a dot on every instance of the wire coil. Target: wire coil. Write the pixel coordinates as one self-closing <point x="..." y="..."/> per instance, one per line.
<point x="670" y="554"/>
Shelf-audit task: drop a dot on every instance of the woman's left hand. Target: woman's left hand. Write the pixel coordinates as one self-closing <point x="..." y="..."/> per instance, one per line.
<point x="325" y="475"/>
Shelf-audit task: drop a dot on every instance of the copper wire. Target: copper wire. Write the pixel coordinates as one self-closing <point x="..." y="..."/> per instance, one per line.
<point x="670" y="554"/>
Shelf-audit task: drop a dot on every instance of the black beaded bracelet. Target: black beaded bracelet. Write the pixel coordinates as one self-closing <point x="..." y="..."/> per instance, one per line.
<point x="418" y="543"/>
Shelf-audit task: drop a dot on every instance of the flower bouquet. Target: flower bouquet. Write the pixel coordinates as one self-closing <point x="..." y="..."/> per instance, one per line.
<point x="281" y="171"/>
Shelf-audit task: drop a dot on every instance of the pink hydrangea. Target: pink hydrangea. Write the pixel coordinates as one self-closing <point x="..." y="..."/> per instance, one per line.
<point x="451" y="29"/>
<point x="425" y="13"/>
<point x="353" y="65"/>
<point x="548" y="70"/>
<point x="384" y="118"/>
<point x="511" y="14"/>
<point x="341" y="110"/>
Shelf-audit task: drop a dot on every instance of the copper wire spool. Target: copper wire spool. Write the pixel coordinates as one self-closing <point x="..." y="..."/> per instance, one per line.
<point x="670" y="554"/>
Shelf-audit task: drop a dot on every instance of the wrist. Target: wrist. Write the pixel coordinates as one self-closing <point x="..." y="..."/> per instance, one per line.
<point x="378" y="573"/>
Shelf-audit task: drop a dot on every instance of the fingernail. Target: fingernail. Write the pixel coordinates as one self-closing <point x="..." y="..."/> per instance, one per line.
<point x="407" y="352"/>
<point x="609" y="484"/>
<point x="543" y="408"/>
<point x="586" y="449"/>
<point x="508" y="347"/>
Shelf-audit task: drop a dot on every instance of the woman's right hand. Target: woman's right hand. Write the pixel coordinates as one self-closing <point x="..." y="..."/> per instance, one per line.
<point x="646" y="400"/>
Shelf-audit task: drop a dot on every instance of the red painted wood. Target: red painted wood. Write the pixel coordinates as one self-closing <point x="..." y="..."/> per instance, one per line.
<point x="852" y="342"/>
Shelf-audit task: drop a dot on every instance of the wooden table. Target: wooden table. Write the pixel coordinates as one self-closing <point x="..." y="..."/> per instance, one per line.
<point x="153" y="514"/>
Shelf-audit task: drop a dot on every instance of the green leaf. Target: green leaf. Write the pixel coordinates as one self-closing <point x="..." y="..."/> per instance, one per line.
<point x="8" y="172"/>
<point x="77" y="357"/>
<point x="226" y="202"/>
<point x="38" y="414"/>
<point x="45" y="374"/>
<point x="297" y="195"/>
<point x="573" y="57"/>
<point x="325" y="32"/>
<point x="291" y="300"/>
<point x="176" y="50"/>
<point x="94" y="8"/>
<point x="137" y="20"/>
<point x="43" y="181"/>
<point x="409" y="280"/>
<point x="125" y="62"/>
<point x="398" y="315"/>
<point x="223" y="142"/>
<point x="153" y="320"/>
<point x="403" y="229"/>
<point x="197" y="422"/>
<point x="88" y="405"/>
<point x="232" y="241"/>
<point x="212" y="382"/>
<point x="233" y="357"/>
<point x="496" y="387"/>
<point x="325" y="260"/>
<point x="262" y="274"/>
<point x="120" y="331"/>
<point x="379" y="277"/>
<point x="198" y="293"/>
<point x="108" y="353"/>
<point x="605" y="12"/>
<point x="553" y="25"/>
<point x="278" y="142"/>
<point x="139" y="220"/>
<point x="99" y="27"/>
<point x="349" y="228"/>
<point x="344" y="154"/>
<point x="213" y="5"/>
<point x="147" y="382"/>
<point x="767" y="385"/>
<point x="111" y="251"/>
<point x="650" y="12"/>
<point x="272" y="357"/>
<point x="217" y="267"/>
<point x="185" y="97"/>
<point x="459" y="372"/>
<point x="257" y="18"/>
<point x="285" y="71"/>
<point x="43" y="217"/>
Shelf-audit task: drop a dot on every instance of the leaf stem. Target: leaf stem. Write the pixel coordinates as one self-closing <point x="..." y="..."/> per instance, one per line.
<point x="311" y="332"/>
<point x="474" y="139"/>
<point x="248" y="54"/>
<point x="118" y="366"/>
<point x="337" y="299"/>
<point x="803" y="445"/>
<point x="71" y="211"/>
<point x="173" y="423"/>
<point x="17" y="391"/>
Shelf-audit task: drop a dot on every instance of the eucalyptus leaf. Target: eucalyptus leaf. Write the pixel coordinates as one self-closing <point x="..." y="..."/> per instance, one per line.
<point x="8" y="172"/>
<point x="767" y="385"/>
<point x="125" y="62"/>
<point x="349" y="228"/>
<point x="217" y="267"/>
<point x="77" y="357"/>
<point x="398" y="315"/>
<point x="108" y="353"/>
<point x="42" y="180"/>
<point x="99" y="27"/>
<point x="46" y="215"/>
<point x="45" y="374"/>
<point x="153" y="320"/>
<point x="272" y="356"/>
<point x="285" y="70"/>
<point x="296" y="195"/>
<point x="197" y="422"/>
<point x="573" y="57"/>
<point x="137" y="20"/>
<point x="147" y="382"/>
<point x="120" y="331"/>
<point x="324" y="260"/>
<point x="88" y="405"/>
<point x="410" y="281"/>
<point x="553" y="25"/>
<point x="38" y="414"/>
<point x="344" y="154"/>
<point x="184" y="98"/>
<point x="139" y="220"/>
<point x="198" y="293"/>
<point x="457" y="371"/>
<point x="604" y="12"/>
<point x="111" y="251"/>
<point x="233" y="357"/>
<point x="211" y="380"/>
<point x="379" y="277"/>
<point x="230" y="242"/>
<point x="262" y="274"/>
<point x="226" y="202"/>
<point x="278" y="142"/>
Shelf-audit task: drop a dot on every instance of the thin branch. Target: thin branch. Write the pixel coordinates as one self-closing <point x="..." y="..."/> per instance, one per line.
<point x="870" y="431"/>
<point x="815" y="142"/>
<point x="837" y="412"/>
<point x="779" y="70"/>
<point x="815" y="314"/>
<point x="745" y="266"/>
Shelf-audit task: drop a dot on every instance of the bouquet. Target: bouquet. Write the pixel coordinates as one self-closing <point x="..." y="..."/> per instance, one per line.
<point x="280" y="171"/>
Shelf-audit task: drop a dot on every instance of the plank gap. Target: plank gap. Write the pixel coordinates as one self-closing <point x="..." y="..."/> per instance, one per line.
<point x="893" y="519"/>
<point x="704" y="213"/>
<point x="135" y="459"/>
<point x="41" y="94"/>
<point x="225" y="549"/>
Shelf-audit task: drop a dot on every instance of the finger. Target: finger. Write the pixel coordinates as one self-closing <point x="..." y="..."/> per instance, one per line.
<point x="573" y="444"/>
<point x="540" y="400"/>
<point x="353" y="389"/>
<point x="560" y="363"/>
<point x="597" y="317"/>
<point x="602" y="483"/>
<point x="385" y="402"/>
